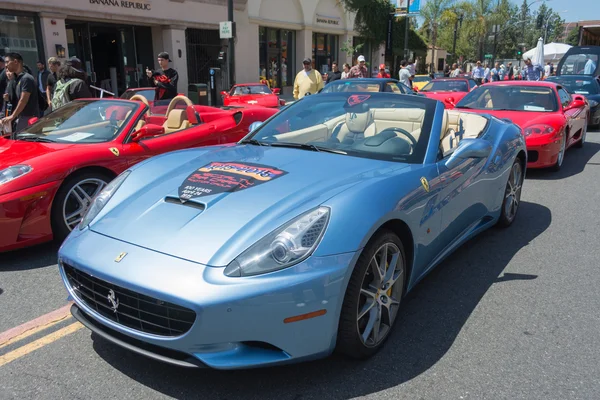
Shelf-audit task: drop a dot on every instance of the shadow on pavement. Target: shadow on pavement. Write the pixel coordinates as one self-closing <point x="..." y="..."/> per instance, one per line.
<point x="573" y="164"/>
<point x="33" y="257"/>
<point x="432" y="316"/>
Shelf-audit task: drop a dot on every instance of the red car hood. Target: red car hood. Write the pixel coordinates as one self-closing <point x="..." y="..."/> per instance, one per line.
<point x="521" y="118"/>
<point x="13" y="152"/>
<point x="268" y="100"/>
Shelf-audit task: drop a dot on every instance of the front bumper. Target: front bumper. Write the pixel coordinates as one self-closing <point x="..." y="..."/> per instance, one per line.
<point x="542" y="152"/>
<point x="239" y="321"/>
<point x="25" y="216"/>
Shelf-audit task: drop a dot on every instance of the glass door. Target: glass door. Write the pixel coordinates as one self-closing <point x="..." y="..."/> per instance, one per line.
<point x="79" y="45"/>
<point x="128" y="55"/>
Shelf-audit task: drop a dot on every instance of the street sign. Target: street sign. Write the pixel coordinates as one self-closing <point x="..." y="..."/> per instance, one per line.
<point x="488" y="56"/>
<point x="225" y="30"/>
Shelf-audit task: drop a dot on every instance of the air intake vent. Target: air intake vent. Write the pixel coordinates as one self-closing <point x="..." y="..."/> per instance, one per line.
<point x="188" y="203"/>
<point x="237" y="117"/>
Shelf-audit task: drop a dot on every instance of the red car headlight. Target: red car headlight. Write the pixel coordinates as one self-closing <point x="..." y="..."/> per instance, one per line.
<point x="539" y="129"/>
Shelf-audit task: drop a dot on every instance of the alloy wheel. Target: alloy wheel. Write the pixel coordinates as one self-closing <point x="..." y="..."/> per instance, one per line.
<point x="79" y="199"/>
<point x="513" y="191"/>
<point x="561" y="154"/>
<point x="380" y="294"/>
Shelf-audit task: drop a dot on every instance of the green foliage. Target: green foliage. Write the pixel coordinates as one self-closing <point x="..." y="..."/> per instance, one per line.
<point x="573" y="38"/>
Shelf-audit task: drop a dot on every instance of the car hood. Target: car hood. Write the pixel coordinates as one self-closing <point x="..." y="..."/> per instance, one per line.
<point x="520" y="118"/>
<point x="214" y="229"/>
<point x="13" y="152"/>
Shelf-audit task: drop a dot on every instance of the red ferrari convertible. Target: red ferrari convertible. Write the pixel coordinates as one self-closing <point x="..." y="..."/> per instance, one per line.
<point x="552" y="120"/>
<point x="448" y="90"/>
<point x="257" y="94"/>
<point x="50" y="172"/>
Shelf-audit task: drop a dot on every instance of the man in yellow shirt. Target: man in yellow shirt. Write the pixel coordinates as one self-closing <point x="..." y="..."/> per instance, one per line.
<point x="308" y="80"/>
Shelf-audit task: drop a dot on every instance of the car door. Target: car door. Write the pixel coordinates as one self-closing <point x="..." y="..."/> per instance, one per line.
<point x="576" y="117"/>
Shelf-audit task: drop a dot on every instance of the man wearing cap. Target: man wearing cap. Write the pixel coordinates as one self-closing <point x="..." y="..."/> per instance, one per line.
<point x="165" y="82"/>
<point x="360" y="69"/>
<point x="308" y="80"/>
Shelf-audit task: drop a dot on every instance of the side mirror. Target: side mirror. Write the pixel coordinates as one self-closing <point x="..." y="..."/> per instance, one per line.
<point x="579" y="97"/>
<point x="450" y="101"/>
<point x="575" y="104"/>
<point x="254" y="126"/>
<point x="147" y="131"/>
<point x="224" y="93"/>
<point x="32" y="121"/>
<point x="469" y="148"/>
<point x="276" y="91"/>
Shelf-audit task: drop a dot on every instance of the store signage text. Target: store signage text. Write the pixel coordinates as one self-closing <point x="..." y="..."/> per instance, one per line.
<point x="327" y="20"/>
<point x="123" y="4"/>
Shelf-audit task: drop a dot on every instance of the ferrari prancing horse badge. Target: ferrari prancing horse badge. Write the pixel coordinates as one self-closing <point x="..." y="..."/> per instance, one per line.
<point x="115" y="151"/>
<point x="425" y="184"/>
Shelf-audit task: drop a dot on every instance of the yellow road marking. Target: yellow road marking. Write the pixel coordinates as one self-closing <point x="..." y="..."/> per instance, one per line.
<point x="41" y="342"/>
<point x="33" y="331"/>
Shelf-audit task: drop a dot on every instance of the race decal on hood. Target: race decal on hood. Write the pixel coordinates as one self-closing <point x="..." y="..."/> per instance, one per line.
<point x="221" y="177"/>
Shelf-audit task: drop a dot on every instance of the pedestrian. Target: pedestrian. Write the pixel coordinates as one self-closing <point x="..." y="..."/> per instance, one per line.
<point x="335" y="73"/>
<point x="360" y="69"/>
<point x="455" y="71"/>
<point x="487" y="73"/>
<point x="346" y="72"/>
<point x="166" y="81"/>
<point x="547" y="70"/>
<point x="495" y="73"/>
<point x="404" y="73"/>
<point x="41" y="80"/>
<point x="3" y="81"/>
<point x="23" y="93"/>
<point x="71" y="84"/>
<point x="382" y="72"/>
<point x="478" y="73"/>
<point x="532" y="72"/>
<point x="309" y="80"/>
<point x="54" y="65"/>
<point x="511" y="71"/>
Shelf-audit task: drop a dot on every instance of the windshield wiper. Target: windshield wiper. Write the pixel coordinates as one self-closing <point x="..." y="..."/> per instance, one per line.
<point x="35" y="139"/>
<point x="254" y="141"/>
<point x="306" y="146"/>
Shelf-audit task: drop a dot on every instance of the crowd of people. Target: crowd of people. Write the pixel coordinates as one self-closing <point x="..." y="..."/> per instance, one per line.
<point x="500" y="72"/>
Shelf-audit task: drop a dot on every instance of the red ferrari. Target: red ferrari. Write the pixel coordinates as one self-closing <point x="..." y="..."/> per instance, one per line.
<point x="50" y="171"/>
<point x="256" y="94"/>
<point x="551" y="119"/>
<point x="448" y="90"/>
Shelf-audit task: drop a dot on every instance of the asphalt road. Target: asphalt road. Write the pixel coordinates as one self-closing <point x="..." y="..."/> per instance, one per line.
<point x="512" y="315"/>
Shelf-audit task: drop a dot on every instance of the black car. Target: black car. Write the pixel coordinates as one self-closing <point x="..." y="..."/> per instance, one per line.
<point x="389" y="85"/>
<point x="585" y="85"/>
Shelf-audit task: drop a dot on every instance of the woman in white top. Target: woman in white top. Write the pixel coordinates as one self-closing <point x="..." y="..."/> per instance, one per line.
<point x="346" y="71"/>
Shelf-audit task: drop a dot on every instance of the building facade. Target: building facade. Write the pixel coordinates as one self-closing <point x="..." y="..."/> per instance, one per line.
<point x="117" y="39"/>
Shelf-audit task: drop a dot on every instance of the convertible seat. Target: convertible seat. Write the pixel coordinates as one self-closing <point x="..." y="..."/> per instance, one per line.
<point x="176" y="121"/>
<point x="461" y="125"/>
<point x="374" y="121"/>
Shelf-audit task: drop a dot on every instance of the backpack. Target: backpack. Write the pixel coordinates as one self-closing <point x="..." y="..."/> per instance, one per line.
<point x="61" y="93"/>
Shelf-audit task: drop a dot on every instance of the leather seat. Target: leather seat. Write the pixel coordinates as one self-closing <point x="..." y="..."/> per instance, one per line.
<point x="176" y="121"/>
<point x="461" y="125"/>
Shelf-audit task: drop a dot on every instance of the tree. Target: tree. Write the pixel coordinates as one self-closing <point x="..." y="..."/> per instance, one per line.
<point x="573" y="37"/>
<point x="432" y="13"/>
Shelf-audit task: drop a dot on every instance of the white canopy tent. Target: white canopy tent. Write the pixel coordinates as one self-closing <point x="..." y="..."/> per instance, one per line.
<point x="552" y="52"/>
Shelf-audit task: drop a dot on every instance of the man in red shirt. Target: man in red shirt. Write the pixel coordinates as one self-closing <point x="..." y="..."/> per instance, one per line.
<point x="359" y="70"/>
<point x="382" y="73"/>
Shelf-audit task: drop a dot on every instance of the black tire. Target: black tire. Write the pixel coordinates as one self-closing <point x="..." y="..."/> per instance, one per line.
<point x="60" y="229"/>
<point x="559" y="161"/>
<point x="508" y="214"/>
<point x="349" y="341"/>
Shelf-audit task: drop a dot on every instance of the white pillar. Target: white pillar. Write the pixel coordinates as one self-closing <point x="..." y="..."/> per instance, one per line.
<point x="174" y="44"/>
<point x="54" y="33"/>
<point x="247" y="57"/>
<point x="304" y="41"/>
<point x="345" y="57"/>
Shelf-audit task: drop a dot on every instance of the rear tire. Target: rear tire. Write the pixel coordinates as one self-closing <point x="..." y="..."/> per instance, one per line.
<point x="512" y="194"/>
<point x="372" y="299"/>
<point x="73" y="199"/>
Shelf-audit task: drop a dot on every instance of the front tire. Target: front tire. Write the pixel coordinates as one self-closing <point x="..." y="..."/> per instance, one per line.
<point x="581" y="142"/>
<point x="512" y="194"/>
<point x="372" y="299"/>
<point x="561" y="154"/>
<point x="73" y="199"/>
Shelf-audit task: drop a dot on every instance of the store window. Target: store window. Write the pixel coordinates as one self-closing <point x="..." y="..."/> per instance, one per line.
<point x="276" y="59"/>
<point x="324" y="51"/>
<point x="20" y="34"/>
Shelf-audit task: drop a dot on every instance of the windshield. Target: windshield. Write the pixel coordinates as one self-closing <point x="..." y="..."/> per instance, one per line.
<point x="579" y="64"/>
<point x="421" y="79"/>
<point x="83" y="122"/>
<point x="253" y="89"/>
<point x="385" y="126"/>
<point x="576" y="85"/>
<point x="510" y="97"/>
<point x="148" y="94"/>
<point x="446" y="86"/>
<point x="349" y="85"/>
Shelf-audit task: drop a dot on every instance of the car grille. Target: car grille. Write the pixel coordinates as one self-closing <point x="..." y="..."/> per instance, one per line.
<point x="136" y="311"/>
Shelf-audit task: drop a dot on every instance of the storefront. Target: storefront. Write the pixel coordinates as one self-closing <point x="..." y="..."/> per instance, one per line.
<point x="277" y="51"/>
<point x="325" y="51"/>
<point x="20" y="33"/>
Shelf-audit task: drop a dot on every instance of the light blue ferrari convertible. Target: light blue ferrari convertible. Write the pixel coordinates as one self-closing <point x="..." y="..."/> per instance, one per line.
<point x="301" y="239"/>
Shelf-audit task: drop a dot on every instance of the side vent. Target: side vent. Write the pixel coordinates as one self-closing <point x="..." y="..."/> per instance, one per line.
<point x="188" y="203"/>
<point x="237" y="117"/>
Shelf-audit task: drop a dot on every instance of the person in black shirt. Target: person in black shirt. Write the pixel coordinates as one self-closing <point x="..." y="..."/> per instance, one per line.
<point x="23" y="92"/>
<point x="54" y="65"/>
<point x="165" y="82"/>
<point x="335" y="73"/>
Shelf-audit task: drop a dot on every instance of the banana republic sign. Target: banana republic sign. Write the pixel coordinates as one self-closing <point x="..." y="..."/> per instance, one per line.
<point x="137" y="5"/>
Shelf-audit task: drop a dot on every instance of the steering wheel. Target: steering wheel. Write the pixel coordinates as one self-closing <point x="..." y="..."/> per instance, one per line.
<point x="176" y="100"/>
<point x="404" y="132"/>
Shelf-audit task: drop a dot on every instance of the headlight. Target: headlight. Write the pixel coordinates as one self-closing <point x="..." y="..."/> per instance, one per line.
<point x="102" y="198"/>
<point x="593" y="103"/>
<point x="10" y="173"/>
<point x="538" y="129"/>
<point x="284" y="247"/>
